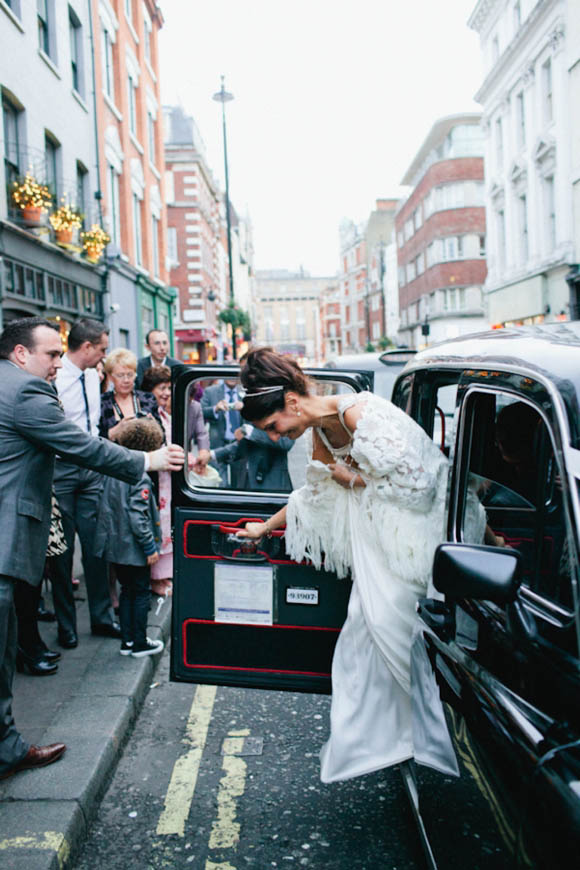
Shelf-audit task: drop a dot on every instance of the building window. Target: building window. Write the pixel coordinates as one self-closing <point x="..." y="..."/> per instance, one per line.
<point x="482" y="246"/>
<point x="76" y="48"/>
<point x="409" y="229"/>
<point x="151" y="137"/>
<point x="11" y="124"/>
<point x="172" y="246"/>
<point x="51" y="161"/>
<point x="498" y="143"/>
<point x="113" y="201"/>
<point x="81" y="192"/>
<point x="524" y="246"/>
<point x="547" y="88"/>
<point x="107" y="61"/>
<point x="137" y="231"/>
<point x="284" y="324"/>
<point x="124" y="338"/>
<point x="450" y="248"/>
<point x="42" y="16"/>
<point x="402" y="281"/>
<point x="521" y="119"/>
<point x="14" y="5"/>
<point x="147" y="39"/>
<point x="501" y="239"/>
<point x="300" y="323"/>
<point x="420" y="264"/>
<point x="411" y="272"/>
<point x="132" y="105"/>
<point x="417" y="220"/>
<point x="155" y="245"/>
<point x="550" y="211"/>
<point x="400" y="239"/>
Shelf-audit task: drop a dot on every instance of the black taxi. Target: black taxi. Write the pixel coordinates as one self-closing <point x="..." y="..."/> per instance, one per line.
<point x="502" y="629"/>
<point x="502" y="624"/>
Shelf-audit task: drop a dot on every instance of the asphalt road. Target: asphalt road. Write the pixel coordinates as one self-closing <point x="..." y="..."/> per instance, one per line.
<point x="227" y="779"/>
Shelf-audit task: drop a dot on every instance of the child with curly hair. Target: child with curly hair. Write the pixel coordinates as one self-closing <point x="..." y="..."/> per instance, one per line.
<point x="128" y="536"/>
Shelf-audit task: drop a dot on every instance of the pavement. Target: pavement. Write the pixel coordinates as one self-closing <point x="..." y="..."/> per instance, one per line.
<point x="91" y="704"/>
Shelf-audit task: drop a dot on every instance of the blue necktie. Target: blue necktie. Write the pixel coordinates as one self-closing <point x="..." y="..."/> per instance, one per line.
<point x="85" y="397"/>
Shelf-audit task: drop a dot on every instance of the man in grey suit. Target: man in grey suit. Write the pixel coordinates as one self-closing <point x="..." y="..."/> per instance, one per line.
<point x="158" y="343"/>
<point x="33" y="428"/>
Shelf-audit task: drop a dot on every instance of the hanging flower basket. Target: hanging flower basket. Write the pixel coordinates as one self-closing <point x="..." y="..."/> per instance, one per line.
<point x="32" y="198"/>
<point x="64" y="220"/>
<point x="94" y="242"/>
<point x="31" y="215"/>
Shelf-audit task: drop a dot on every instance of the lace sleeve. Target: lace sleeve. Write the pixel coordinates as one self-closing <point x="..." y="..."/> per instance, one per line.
<point x="396" y="455"/>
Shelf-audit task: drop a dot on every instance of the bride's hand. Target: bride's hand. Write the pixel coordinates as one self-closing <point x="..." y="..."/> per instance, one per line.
<point x="253" y="531"/>
<point x="340" y="473"/>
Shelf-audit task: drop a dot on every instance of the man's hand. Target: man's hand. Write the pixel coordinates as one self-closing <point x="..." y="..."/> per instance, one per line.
<point x="239" y="434"/>
<point x="198" y="463"/>
<point x="154" y="557"/>
<point x="168" y="458"/>
<point x="238" y="405"/>
<point x="222" y="405"/>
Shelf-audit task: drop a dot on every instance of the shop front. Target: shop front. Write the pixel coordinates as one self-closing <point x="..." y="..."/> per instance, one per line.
<point x="39" y="279"/>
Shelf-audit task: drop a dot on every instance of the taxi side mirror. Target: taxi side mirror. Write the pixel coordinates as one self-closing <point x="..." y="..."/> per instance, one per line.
<point x="477" y="571"/>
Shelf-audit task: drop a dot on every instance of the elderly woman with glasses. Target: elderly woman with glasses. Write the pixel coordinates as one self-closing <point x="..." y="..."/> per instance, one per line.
<point x="123" y="401"/>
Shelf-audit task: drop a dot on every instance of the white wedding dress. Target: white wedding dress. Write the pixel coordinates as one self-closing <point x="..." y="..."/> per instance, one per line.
<point x="385" y="535"/>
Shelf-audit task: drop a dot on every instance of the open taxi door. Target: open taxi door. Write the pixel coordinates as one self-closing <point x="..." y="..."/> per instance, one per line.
<point x="245" y="614"/>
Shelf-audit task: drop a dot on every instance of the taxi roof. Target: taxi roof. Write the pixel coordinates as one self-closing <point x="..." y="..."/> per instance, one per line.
<point x="548" y="352"/>
<point x="552" y="350"/>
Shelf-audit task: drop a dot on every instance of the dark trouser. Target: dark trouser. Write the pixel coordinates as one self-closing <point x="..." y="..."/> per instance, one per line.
<point x="135" y="581"/>
<point x="12" y="746"/>
<point x="26" y="598"/>
<point x="78" y="492"/>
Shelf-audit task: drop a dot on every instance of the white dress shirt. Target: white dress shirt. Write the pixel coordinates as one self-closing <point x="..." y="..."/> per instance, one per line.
<point x="70" y="393"/>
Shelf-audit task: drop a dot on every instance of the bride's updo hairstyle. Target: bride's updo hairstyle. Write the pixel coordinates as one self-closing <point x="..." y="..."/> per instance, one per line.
<point x="264" y="370"/>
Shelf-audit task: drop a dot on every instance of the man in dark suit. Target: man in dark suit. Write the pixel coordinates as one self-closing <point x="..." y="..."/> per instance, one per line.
<point x="266" y="461"/>
<point x="33" y="428"/>
<point x="158" y="343"/>
<point x="221" y="405"/>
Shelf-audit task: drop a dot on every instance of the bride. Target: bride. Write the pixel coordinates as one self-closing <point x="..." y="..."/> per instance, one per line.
<point x="372" y="505"/>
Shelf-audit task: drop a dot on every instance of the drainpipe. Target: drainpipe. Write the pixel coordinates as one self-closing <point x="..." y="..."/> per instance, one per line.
<point x="98" y="192"/>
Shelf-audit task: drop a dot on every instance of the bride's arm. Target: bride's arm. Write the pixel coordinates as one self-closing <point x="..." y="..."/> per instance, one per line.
<point x="258" y="530"/>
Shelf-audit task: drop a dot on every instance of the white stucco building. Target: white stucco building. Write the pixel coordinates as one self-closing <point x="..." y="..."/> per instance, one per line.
<point x="527" y="112"/>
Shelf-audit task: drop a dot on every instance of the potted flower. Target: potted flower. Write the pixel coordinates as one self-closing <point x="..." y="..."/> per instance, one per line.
<point x="64" y="220"/>
<point x="94" y="242"/>
<point x="32" y="198"/>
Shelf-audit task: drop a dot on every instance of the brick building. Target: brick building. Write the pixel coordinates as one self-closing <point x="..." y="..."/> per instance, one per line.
<point x="194" y="237"/>
<point x="362" y="276"/>
<point x="331" y="321"/>
<point x="440" y="231"/>
<point x="131" y="167"/>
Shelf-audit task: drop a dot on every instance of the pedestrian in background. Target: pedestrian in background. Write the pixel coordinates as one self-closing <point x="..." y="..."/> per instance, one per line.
<point x="158" y="345"/>
<point x="123" y="401"/>
<point x="221" y="404"/>
<point x="78" y="490"/>
<point x="129" y="537"/>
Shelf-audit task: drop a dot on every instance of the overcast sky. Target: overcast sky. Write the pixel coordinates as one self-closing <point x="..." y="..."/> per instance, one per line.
<point x="333" y="98"/>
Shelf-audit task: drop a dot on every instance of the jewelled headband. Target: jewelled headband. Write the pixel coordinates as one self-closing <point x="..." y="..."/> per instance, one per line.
<point x="262" y="391"/>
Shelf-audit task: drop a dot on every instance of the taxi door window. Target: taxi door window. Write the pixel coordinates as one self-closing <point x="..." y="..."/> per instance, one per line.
<point x="243" y="458"/>
<point x="510" y="468"/>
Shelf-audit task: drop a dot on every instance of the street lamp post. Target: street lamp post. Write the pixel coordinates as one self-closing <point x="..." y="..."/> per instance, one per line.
<point x="223" y="97"/>
<point x="382" y="285"/>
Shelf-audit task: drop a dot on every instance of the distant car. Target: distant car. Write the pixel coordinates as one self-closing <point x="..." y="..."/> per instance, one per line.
<point x="383" y="368"/>
<point x="504" y="643"/>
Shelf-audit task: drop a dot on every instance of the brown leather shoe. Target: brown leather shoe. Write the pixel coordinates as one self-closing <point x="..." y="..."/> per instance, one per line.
<point x="37" y="756"/>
